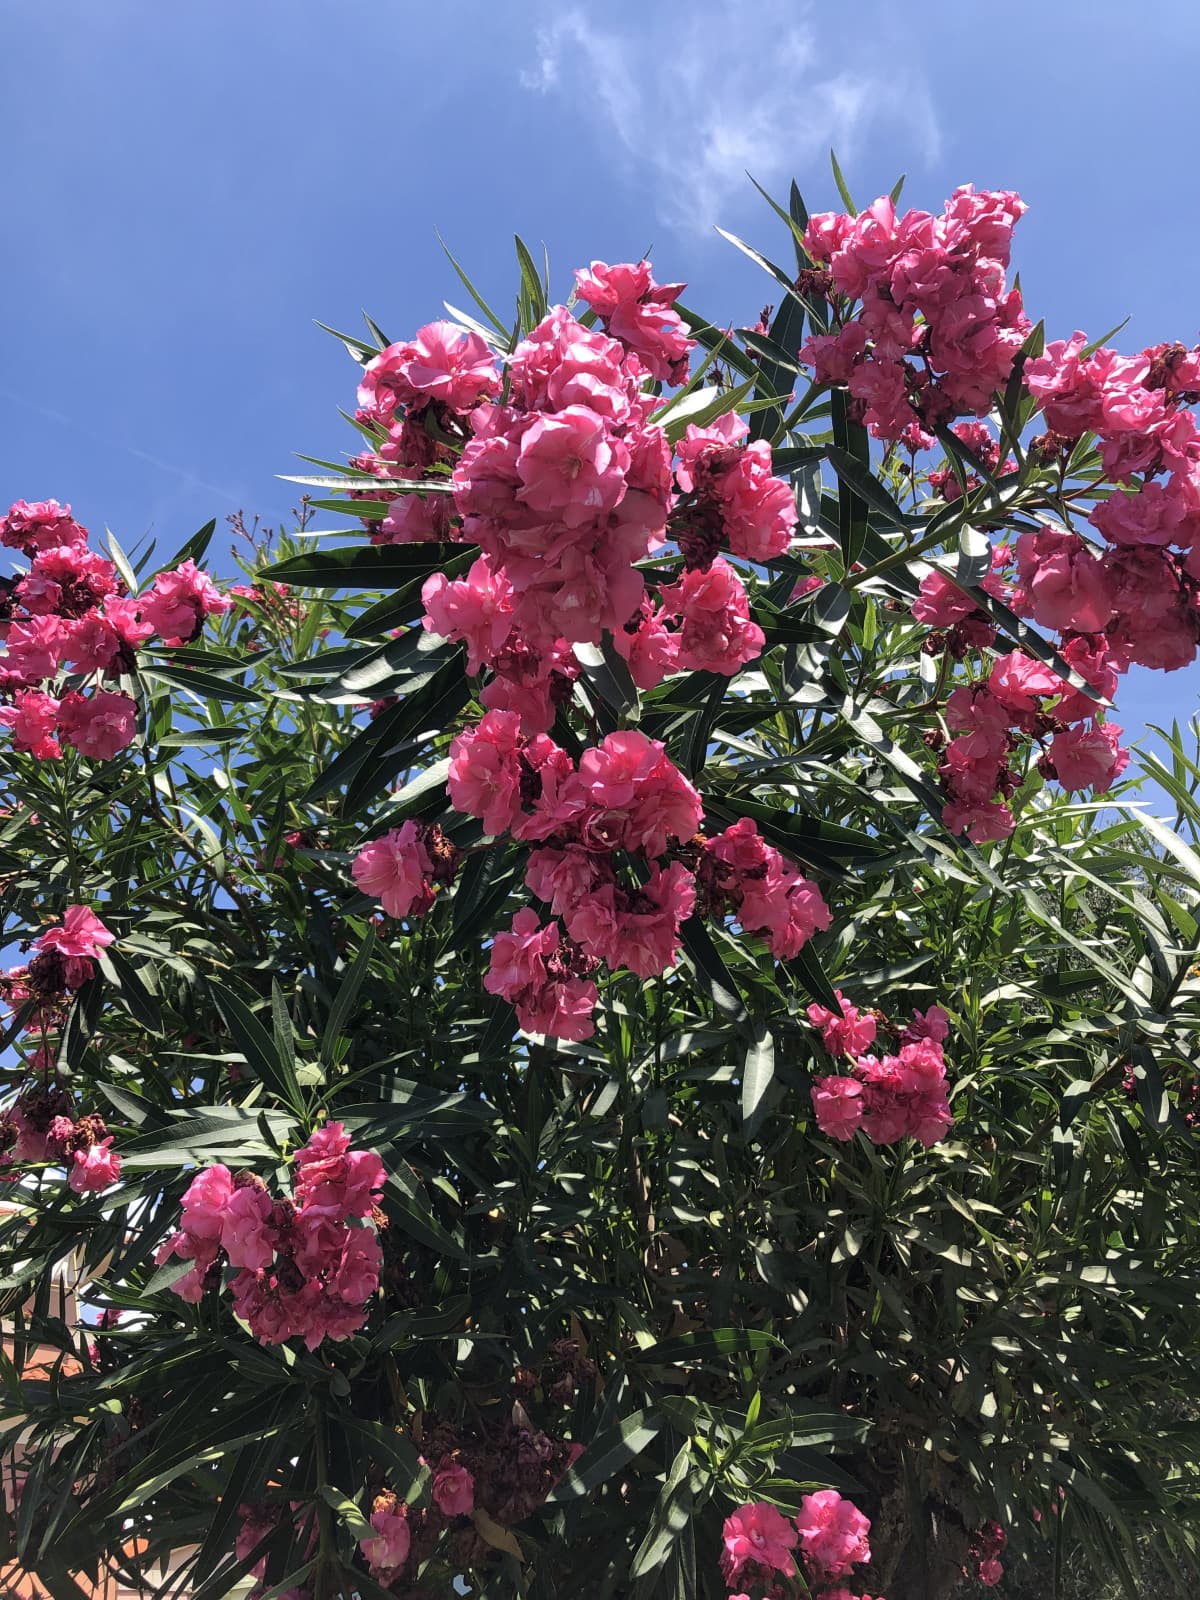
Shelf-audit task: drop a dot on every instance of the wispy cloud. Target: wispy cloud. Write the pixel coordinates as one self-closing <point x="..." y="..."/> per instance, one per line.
<point x="702" y="96"/>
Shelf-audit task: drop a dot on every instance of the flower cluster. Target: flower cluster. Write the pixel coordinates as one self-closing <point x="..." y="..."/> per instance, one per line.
<point x="403" y="867"/>
<point x="890" y="1097"/>
<point x="829" y="1532"/>
<point x="565" y="484"/>
<point x="983" y="1556"/>
<point x="304" y="1267"/>
<point x="617" y="855"/>
<point x="41" y="1125"/>
<point x="505" y="1472"/>
<point x="937" y="328"/>
<point x="71" y="618"/>
<point x="993" y="718"/>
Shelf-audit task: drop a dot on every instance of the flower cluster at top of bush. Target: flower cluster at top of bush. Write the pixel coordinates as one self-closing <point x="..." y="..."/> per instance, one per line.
<point x="830" y="1534"/>
<point x="890" y="1097"/>
<point x="565" y="484"/>
<point x="305" y="1267"/>
<point x="617" y="854"/>
<point x="925" y="329"/>
<point x="68" y="625"/>
<point x="937" y="329"/>
<point x="41" y="1125"/>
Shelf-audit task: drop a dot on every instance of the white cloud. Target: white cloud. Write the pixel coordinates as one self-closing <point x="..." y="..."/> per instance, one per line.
<point x="701" y="96"/>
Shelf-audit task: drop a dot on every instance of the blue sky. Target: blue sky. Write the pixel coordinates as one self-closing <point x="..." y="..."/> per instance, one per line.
<point x="189" y="185"/>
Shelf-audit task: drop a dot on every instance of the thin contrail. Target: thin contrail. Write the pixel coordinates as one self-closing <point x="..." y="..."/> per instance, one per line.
<point x="184" y="474"/>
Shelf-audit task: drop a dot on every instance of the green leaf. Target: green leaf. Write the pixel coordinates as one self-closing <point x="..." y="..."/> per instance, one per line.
<point x="706" y="1344"/>
<point x="700" y="408"/>
<point x="711" y="973"/>
<point x="347" y="993"/>
<point x="607" y="1454"/>
<point x="361" y="566"/>
<point x="258" y="1047"/>
<point x="204" y="684"/>
<point x="194" y="549"/>
<point x="135" y="993"/>
<point x="863" y="482"/>
<point x="841" y="185"/>
<point x="758" y="1074"/>
<point x="608" y="674"/>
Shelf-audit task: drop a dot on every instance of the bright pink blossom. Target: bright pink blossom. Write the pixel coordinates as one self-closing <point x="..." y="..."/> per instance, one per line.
<point x="99" y="725"/>
<point x="33" y="718"/>
<point x="95" y="1168"/>
<point x="386" y="1549"/>
<point x="757" y="1535"/>
<point x="716" y="633"/>
<point x="833" y="1533"/>
<point x="81" y="933"/>
<point x="640" y="313"/>
<point x="477" y="609"/>
<point x="851" y="1032"/>
<point x="396" y="869"/>
<point x="178" y="602"/>
<point x="485" y="771"/>
<point x="1088" y="756"/>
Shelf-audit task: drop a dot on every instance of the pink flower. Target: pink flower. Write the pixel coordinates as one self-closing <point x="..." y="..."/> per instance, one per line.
<point x="641" y="314"/>
<point x="638" y="797"/>
<point x="1019" y="683"/>
<point x="1062" y="584"/>
<point x="758" y="509"/>
<point x="1069" y="395"/>
<point x="571" y="467"/>
<point x="178" y="602"/>
<point x="33" y="717"/>
<point x="396" y="869"/>
<point x="204" y="1203"/>
<point x="990" y="1572"/>
<point x="850" y="1033"/>
<point x="941" y="603"/>
<point x="837" y="1103"/>
<point x="246" y="1236"/>
<point x="387" y="1549"/>
<point x="783" y="906"/>
<point x="562" y="1010"/>
<point x="444" y="362"/>
<point x="717" y="634"/>
<point x="518" y="959"/>
<point x="1088" y="756"/>
<point x="35" y="647"/>
<point x="833" y="1533"/>
<point x="95" y="1168"/>
<point x="450" y="364"/>
<point x="39" y="526"/>
<point x="81" y="933"/>
<point x="760" y="1535"/>
<point x="485" y="771"/>
<point x="454" y="1489"/>
<point x="649" y="648"/>
<point x="477" y="609"/>
<point x="99" y="725"/>
<point x="932" y="1024"/>
<point x="562" y="364"/>
<point x="331" y="1176"/>
<point x="981" y="820"/>
<point x="1155" y="514"/>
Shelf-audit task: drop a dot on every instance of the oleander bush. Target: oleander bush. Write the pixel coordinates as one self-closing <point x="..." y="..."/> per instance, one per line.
<point x="614" y="1024"/>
